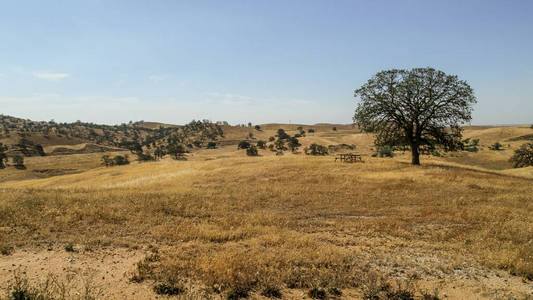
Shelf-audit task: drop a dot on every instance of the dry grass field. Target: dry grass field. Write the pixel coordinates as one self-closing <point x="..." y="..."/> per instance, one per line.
<point x="224" y="225"/>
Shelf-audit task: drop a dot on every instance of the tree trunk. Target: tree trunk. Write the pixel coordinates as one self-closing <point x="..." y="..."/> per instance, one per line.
<point x="415" y="154"/>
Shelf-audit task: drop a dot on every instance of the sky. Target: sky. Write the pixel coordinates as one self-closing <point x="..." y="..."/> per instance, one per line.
<point x="253" y="61"/>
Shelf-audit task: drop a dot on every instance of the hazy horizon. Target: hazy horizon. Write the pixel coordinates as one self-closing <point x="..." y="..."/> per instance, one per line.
<point x="260" y="62"/>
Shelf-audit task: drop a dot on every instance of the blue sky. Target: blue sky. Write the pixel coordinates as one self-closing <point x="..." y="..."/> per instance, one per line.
<point x="258" y="61"/>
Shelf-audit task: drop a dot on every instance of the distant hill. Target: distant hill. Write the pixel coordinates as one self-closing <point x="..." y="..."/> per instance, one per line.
<point x="22" y="136"/>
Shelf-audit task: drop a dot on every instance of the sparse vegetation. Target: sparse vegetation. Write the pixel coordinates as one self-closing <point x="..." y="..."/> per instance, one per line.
<point x="118" y="160"/>
<point x="168" y="288"/>
<point x="211" y="145"/>
<point x="3" y="156"/>
<point x="316" y="149"/>
<point x="252" y="151"/>
<point x="18" y="162"/>
<point x="243" y="145"/>
<point x="261" y="144"/>
<point x="496" y="146"/>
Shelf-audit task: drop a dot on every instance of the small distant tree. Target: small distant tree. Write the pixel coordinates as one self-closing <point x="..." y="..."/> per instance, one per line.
<point x="279" y="144"/>
<point x="257" y="127"/>
<point x="416" y="107"/>
<point x="120" y="160"/>
<point x="252" y="151"/>
<point x="159" y="152"/>
<point x="249" y="124"/>
<point x="334" y="128"/>
<point x="523" y="157"/>
<point x="261" y="144"/>
<point x="177" y="150"/>
<point x="211" y="145"/>
<point x="251" y="135"/>
<point x="496" y="146"/>
<point x="293" y="144"/>
<point x="271" y="139"/>
<point x="18" y="161"/>
<point x="243" y="145"/>
<point x="107" y="161"/>
<point x="310" y="130"/>
<point x="144" y="156"/>
<point x="282" y="135"/>
<point x="316" y="149"/>
<point x="3" y="156"/>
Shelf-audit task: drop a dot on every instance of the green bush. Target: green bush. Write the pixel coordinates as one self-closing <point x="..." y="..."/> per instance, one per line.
<point x="18" y="161"/>
<point x="496" y="146"/>
<point x="316" y="149"/>
<point x="211" y="145"/>
<point x="523" y="157"/>
<point x="310" y="130"/>
<point x="261" y="144"/>
<point x="168" y="289"/>
<point x="120" y="160"/>
<point x="243" y="145"/>
<point x="252" y="151"/>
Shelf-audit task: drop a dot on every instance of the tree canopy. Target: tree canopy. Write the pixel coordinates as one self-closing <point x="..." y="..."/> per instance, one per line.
<point x="416" y="107"/>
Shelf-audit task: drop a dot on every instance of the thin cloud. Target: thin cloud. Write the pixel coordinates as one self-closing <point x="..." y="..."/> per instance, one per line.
<point x="50" y="76"/>
<point x="228" y="99"/>
<point x="157" y="78"/>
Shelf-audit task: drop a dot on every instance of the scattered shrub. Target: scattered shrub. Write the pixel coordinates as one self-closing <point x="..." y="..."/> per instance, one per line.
<point x="257" y="127"/>
<point x="271" y="139"/>
<point x="523" y="157"/>
<point x="237" y="293"/>
<point x="243" y="145"/>
<point x="261" y="144"/>
<point x="271" y="291"/>
<point x="335" y="292"/>
<point x="5" y="249"/>
<point x="317" y="293"/>
<point x="145" y="156"/>
<point x="168" y="289"/>
<point x="120" y="160"/>
<point x="18" y="161"/>
<point x="293" y="143"/>
<point x="334" y="128"/>
<point x="470" y="145"/>
<point x="496" y="146"/>
<point x="282" y="135"/>
<point x="316" y="149"/>
<point x="310" y="130"/>
<point x="70" y="247"/>
<point x="211" y="145"/>
<point x="252" y="151"/>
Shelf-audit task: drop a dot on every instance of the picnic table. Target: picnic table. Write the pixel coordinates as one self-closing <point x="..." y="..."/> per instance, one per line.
<point x="349" y="157"/>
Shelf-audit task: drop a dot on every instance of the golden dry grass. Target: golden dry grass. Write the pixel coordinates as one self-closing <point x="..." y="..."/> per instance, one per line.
<point x="224" y="221"/>
<point x="294" y="221"/>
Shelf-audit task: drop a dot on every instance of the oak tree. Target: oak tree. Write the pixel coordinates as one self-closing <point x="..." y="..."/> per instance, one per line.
<point x="416" y="107"/>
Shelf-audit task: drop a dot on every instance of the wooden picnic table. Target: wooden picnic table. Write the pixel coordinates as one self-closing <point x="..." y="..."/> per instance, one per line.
<point x="349" y="157"/>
